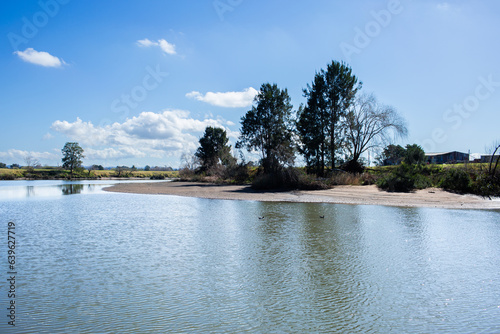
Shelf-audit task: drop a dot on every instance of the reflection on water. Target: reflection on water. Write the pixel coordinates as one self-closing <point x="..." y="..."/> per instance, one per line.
<point x="10" y="190"/>
<point x="72" y="189"/>
<point x="130" y="263"/>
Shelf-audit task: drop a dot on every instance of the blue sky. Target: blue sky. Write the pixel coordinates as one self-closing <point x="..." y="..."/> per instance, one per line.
<point x="136" y="82"/>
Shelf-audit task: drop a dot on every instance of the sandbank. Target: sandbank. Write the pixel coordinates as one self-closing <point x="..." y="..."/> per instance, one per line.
<point x="356" y="195"/>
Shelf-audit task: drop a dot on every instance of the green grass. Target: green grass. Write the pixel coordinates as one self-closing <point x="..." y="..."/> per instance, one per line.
<point x="58" y="173"/>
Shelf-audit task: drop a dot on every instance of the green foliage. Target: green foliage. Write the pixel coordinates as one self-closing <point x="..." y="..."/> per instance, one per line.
<point x="158" y="177"/>
<point x="2" y="165"/>
<point x="414" y="154"/>
<point x="267" y="128"/>
<point x="391" y="155"/>
<point x="213" y="149"/>
<point x="72" y="156"/>
<point x="7" y="176"/>
<point x="457" y="180"/>
<point x="486" y="185"/>
<point x="318" y="127"/>
<point x="122" y="171"/>
<point x="405" y="178"/>
<point x="353" y="166"/>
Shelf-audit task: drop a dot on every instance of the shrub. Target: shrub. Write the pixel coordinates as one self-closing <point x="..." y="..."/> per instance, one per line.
<point x="157" y="177"/>
<point x="344" y="178"/>
<point x="368" y="179"/>
<point x="289" y="178"/>
<point x="405" y="178"/>
<point x="457" y="180"/>
<point x="354" y="167"/>
<point x="486" y="185"/>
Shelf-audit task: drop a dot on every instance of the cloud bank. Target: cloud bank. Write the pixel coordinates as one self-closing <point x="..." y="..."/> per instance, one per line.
<point x="19" y="155"/>
<point x="157" y="135"/>
<point x="227" y="99"/>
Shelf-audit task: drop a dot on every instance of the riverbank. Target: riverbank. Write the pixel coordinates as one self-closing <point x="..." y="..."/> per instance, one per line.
<point x="357" y="195"/>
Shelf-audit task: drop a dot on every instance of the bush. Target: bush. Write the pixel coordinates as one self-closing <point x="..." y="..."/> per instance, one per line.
<point x="368" y="179"/>
<point x="405" y="178"/>
<point x="157" y="177"/>
<point x="457" y="180"/>
<point x="289" y="178"/>
<point x="354" y="167"/>
<point x="344" y="178"/>
<point x="486" y="185"/>
<point x="7" y="177"/>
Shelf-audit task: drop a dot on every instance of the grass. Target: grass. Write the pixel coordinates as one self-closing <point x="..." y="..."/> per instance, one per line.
<point x="50" y="173"/>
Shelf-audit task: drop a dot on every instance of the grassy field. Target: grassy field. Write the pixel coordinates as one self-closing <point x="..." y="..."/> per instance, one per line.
<point x="139" y="173"/>
<point x="57" y="173"/>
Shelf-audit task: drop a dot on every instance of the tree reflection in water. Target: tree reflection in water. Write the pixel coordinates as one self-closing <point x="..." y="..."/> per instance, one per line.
<point x="71" y="189"/>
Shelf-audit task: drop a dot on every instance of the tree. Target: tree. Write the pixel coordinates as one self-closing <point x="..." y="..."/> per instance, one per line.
<point x="391" y="155"/>
<point x="369" y="124"/>
<point x="2" y="165"/>
<point x="213" y="148"/>
<point x="312" y="126"/>
<point x="267" y="128"/>
<point x="494" y="158"/>
<point x="72" y="156"/>
<point x="147" y="168"/>
<point x="31" y="162"/>
<point x="414" y="154"/>
<point x="328" y="100"/>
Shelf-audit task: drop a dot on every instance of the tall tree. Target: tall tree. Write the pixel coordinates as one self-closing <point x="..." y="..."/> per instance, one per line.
<point x="312" y="126"/>
<point x="213" y="148"/>
<point x="370" y="124"/>
<point x="328" y="99"/>
<point x="267" y="128"/>
<point x="414" y="154"/>
<point x="391" y="155"/>
<point x="72" y="156"/>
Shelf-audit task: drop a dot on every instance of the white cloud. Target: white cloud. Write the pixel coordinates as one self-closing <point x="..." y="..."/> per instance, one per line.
<point x="146" y="43"/>
<point x="41" y="58"/>
<point x="149" y="134"/>
<point x="167" y="47"/>
<point x="48" y="136"/>
<point x="444" y="6"/>
<point x="227" y="99"/>
<point x="19" y="155"/>
<point x="161" y="43"/>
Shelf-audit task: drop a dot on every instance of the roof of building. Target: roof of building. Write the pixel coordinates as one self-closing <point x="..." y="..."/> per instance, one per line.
<point x="441" y="153"/>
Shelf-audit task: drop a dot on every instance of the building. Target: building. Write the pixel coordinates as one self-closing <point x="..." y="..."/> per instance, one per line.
<point x="446" y="157"/>
<point x="487" y="158"/>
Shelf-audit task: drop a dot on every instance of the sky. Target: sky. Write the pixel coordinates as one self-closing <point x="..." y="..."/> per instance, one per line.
<point x="137" y="82"/>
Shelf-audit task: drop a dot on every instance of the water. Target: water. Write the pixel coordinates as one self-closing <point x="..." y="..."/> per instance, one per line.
<point x="98" y="262"/>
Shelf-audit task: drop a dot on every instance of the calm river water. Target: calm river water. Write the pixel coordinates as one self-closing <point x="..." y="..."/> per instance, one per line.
<point x="88" y="261"/>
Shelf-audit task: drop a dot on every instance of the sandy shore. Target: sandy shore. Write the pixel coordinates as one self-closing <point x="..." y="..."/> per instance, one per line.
<point x="368" y="195"/>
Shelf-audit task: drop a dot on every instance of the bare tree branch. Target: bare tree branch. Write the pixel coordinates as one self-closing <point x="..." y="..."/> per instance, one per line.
<point x="370" y="124"/>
